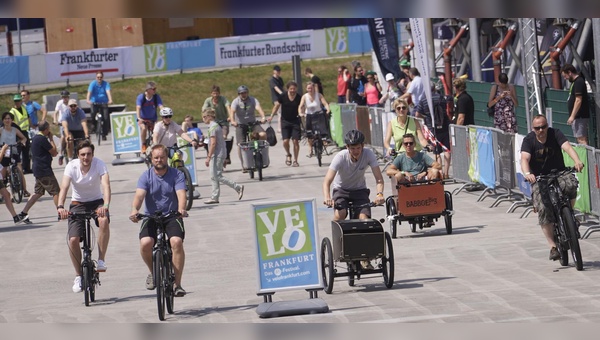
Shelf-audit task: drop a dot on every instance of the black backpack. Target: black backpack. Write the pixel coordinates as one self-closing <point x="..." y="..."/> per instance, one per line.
<point x="439" y="114"/>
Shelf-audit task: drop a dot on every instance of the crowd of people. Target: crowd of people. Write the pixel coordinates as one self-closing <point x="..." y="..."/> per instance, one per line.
<point x="162" y="188"/>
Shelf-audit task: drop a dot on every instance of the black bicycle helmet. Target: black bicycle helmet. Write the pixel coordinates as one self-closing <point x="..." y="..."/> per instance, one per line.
<point x="64" y="93"/>
<point x="243" y="88"/>
<point x="354" y="137"/>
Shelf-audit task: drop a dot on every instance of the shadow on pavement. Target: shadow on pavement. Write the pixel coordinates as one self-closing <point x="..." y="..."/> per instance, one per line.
<point x="199" y="312"/>
<point x="22" y="227"/>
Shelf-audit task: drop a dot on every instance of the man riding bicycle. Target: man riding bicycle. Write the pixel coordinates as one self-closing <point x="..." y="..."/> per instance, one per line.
<point x="166" y="131"/>
<point x="347" y="174"/>
<point x="243" y="111"/>
<point x="91" y="192"/>
<point x="74" y="125"/>
<point x="161" y="188"/>
<point x="541" y="152"/>
<point x="147" y="105"/>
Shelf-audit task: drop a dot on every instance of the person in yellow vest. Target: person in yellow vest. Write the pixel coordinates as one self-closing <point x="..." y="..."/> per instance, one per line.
<point x="22" y="121"/>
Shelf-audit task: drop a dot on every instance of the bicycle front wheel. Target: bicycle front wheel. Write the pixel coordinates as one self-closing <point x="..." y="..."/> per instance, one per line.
<point x="189" y="187"/>
<point x="318" y="146"/>
<point x="159" y="283"/>
<point x="99" y="130"/>
<point x="16" y="184"/>
<point x="86" y="283"/>
<point x="258" y="163"/>
<point x="169" y="293"/>
<point x="571" y="229"/>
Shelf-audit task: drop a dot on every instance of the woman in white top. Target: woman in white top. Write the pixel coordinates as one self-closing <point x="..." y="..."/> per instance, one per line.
<point x="312" y="101"/>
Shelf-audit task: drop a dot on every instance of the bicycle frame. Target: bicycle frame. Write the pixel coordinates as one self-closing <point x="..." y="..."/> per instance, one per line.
<point x="88" y="266"/>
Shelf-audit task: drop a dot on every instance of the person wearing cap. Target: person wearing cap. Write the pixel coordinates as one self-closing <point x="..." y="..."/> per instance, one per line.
<point x="392" y="92"/>
<point x="23" y="122"/>
<point x="74" y="123"/>
<point x="42" y="150"/>
<point x="61" y="107"/>
<point x="33" y="108"/>
<point x="276" y="85"/>
<point x="243" y="111"/>
<point x="99" y="97"/>
<point x="147" y="106"/>
<point x="342" y="83"/>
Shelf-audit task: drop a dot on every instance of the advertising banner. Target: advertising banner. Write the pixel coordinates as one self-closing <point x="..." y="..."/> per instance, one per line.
<point x="263" y="48"/>
<point x="189" y="157"/>
<point x="179" y="55"/>
<point x="419" y="35"/>
<point x="485" y="158"/>
<point x="474" y="155"/>
<point x="385" y="44"/>
<point x="14" y="70"/>
<point x="287" y="245"/>
<point x="504" y="159"/>
<point x="126" y="133"/>
<point x="523" y="185"/>
<point x="582" y="203"/>
<point x="83" y="64"/>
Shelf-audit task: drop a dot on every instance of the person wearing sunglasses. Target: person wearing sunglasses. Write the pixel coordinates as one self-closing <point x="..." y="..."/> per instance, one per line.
<point x="147" y="106"/>
<point x="412" y="165"/>
<point x="74" y="123"/>
<point x="541" y="152"/>
<point x="400" y="126"/>
<point x="99" y="97"/>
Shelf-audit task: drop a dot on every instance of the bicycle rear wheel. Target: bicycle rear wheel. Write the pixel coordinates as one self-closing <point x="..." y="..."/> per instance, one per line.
<point x="16" y="184"/>
<point x="159" y="283"/>
<point x="189" y="187"/>
<point x="571" y="229"/>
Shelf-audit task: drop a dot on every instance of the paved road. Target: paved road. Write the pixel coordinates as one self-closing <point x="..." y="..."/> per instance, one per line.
<point x="493" y="268"/>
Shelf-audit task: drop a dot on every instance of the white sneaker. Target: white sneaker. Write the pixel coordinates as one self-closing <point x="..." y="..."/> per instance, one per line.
<point x="101" y="267"/>
<point x="77" y="284"/>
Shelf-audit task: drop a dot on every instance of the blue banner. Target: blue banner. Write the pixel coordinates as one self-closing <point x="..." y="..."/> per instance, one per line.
<point x="14" y="70"/>
<point x="287" y="246"/>
<point x="190" y="54"/>
<point x="359" y="40"/>
<point x="485" y="153"/>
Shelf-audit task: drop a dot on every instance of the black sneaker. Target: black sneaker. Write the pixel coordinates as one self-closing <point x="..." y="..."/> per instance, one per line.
<point x="179" y="292"/>
<point x="103" y="137"/>
<point x="17" y="219"/>
<point x="24" y="218"/>
<point x="554" y="254"/>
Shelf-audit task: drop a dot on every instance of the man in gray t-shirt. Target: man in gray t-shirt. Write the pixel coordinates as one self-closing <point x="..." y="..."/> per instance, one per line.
<point x="347" y="174"/>
<point x="216" y="158"/>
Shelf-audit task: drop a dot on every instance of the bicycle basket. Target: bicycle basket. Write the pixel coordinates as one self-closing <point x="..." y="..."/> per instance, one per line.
<point x="248" y="156"/>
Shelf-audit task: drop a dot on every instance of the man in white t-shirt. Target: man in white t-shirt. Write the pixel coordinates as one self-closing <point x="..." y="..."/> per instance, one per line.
<point x="91" y="192"/>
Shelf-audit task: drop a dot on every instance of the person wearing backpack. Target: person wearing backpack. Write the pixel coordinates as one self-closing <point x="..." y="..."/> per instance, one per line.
<point x="440" y="127"/>
<point x="147" y="106"/>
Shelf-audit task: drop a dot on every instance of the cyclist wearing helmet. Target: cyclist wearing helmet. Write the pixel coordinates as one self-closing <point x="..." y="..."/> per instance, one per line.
<point x="62" y="106"/>
<point x="166" y="131"/>
<point x="347" y="174"/>
<point x="243" y="111"/>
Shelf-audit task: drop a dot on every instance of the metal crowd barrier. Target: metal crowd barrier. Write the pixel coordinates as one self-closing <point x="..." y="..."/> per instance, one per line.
<point x="594" y="188"/>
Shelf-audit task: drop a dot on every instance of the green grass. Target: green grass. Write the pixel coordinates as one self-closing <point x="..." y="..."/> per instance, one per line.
<point x="185" y="93"/>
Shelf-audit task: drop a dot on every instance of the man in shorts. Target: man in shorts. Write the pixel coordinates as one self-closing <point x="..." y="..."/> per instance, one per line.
<point x="147" y="106"/>
<point x="578" y="103"/>
<point x="541" y="152"/>
<point x="42" y="151"/>
<point x="91" y="192"/>
<point x="161" y="188"/>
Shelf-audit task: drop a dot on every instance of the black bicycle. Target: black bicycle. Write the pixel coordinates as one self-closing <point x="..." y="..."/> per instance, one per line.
<point x="14" y="176"/>
<point x="101" y="110"/>
<point x="90" y="277"/>
<point x="177" y="162"/>
<point x="148" y="142"/>
<point x="254" y="147"/>
<point x="162" y="265"/>
<point x="566" y="235"/>
<point x="318" y="133"/>
<point x="65" y="151"/>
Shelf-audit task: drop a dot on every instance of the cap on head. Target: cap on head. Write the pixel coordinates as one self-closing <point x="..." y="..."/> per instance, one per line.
<point x="64" y="93"/>
<point x="404" y="63"/>
<point x="277" y="68"/>
<point x="17" y="98"/>
<point x="72" y="102"/>
<point x="389" y="77"/>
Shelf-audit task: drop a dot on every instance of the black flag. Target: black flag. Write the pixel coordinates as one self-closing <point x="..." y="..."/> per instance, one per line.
<point x="385" y="44"/>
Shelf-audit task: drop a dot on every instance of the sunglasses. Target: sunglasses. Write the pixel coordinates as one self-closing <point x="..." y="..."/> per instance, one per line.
<point x="408" y="143"/>
<point x="401" y="108"/>
<point x="72" y="105"/>
<point x="99" y="77"/>
<point x="538" y="128"/>
<point x="167" y="116"/>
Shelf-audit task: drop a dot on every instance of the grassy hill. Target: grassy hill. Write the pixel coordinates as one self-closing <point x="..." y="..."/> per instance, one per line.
<point x="185" y="93"/>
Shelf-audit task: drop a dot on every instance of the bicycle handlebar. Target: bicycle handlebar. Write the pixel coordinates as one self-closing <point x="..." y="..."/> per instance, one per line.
<point x="81" y="215"/>
<point x="158" y="215"/>
<point x="555" y="173"/>
<point x="359" y="206"/>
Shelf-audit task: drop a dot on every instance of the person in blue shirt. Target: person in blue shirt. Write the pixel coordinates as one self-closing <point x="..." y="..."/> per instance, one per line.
<point x="32" y="109"/>
<point x="147" y="105"/>
<point x="99" y="97"/>
<point x="161" y="188"/>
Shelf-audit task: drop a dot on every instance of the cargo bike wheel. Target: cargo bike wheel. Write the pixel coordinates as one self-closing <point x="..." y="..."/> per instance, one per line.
<point x="448" y="212"/>
<point x="390" y="207"/>
<point x="327" y="265"/>
<point x="387" y="262"/>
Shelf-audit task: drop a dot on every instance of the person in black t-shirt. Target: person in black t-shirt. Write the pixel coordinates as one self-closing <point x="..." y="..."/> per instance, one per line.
<point x="464" y="113"/>
<point x="290" y="121"/>
<point x="578" y="103"/>
<point x="42" y="151"/>
<point x="314" y="79"/>
<point x="541" y="152"/>
<point x="276" y="86"/>
<point x="356" y="87"/>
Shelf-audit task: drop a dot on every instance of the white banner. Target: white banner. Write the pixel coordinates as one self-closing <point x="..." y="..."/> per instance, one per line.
<point x="263" y="48"/>
<point x="81" y="65"/>
<point x="417" y="26"/>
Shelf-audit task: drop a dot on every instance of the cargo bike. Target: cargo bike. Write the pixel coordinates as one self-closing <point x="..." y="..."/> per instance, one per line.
<point x="255" y="153"/>
<point x="420" y="203"/>
<point x="353" y="242"/>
